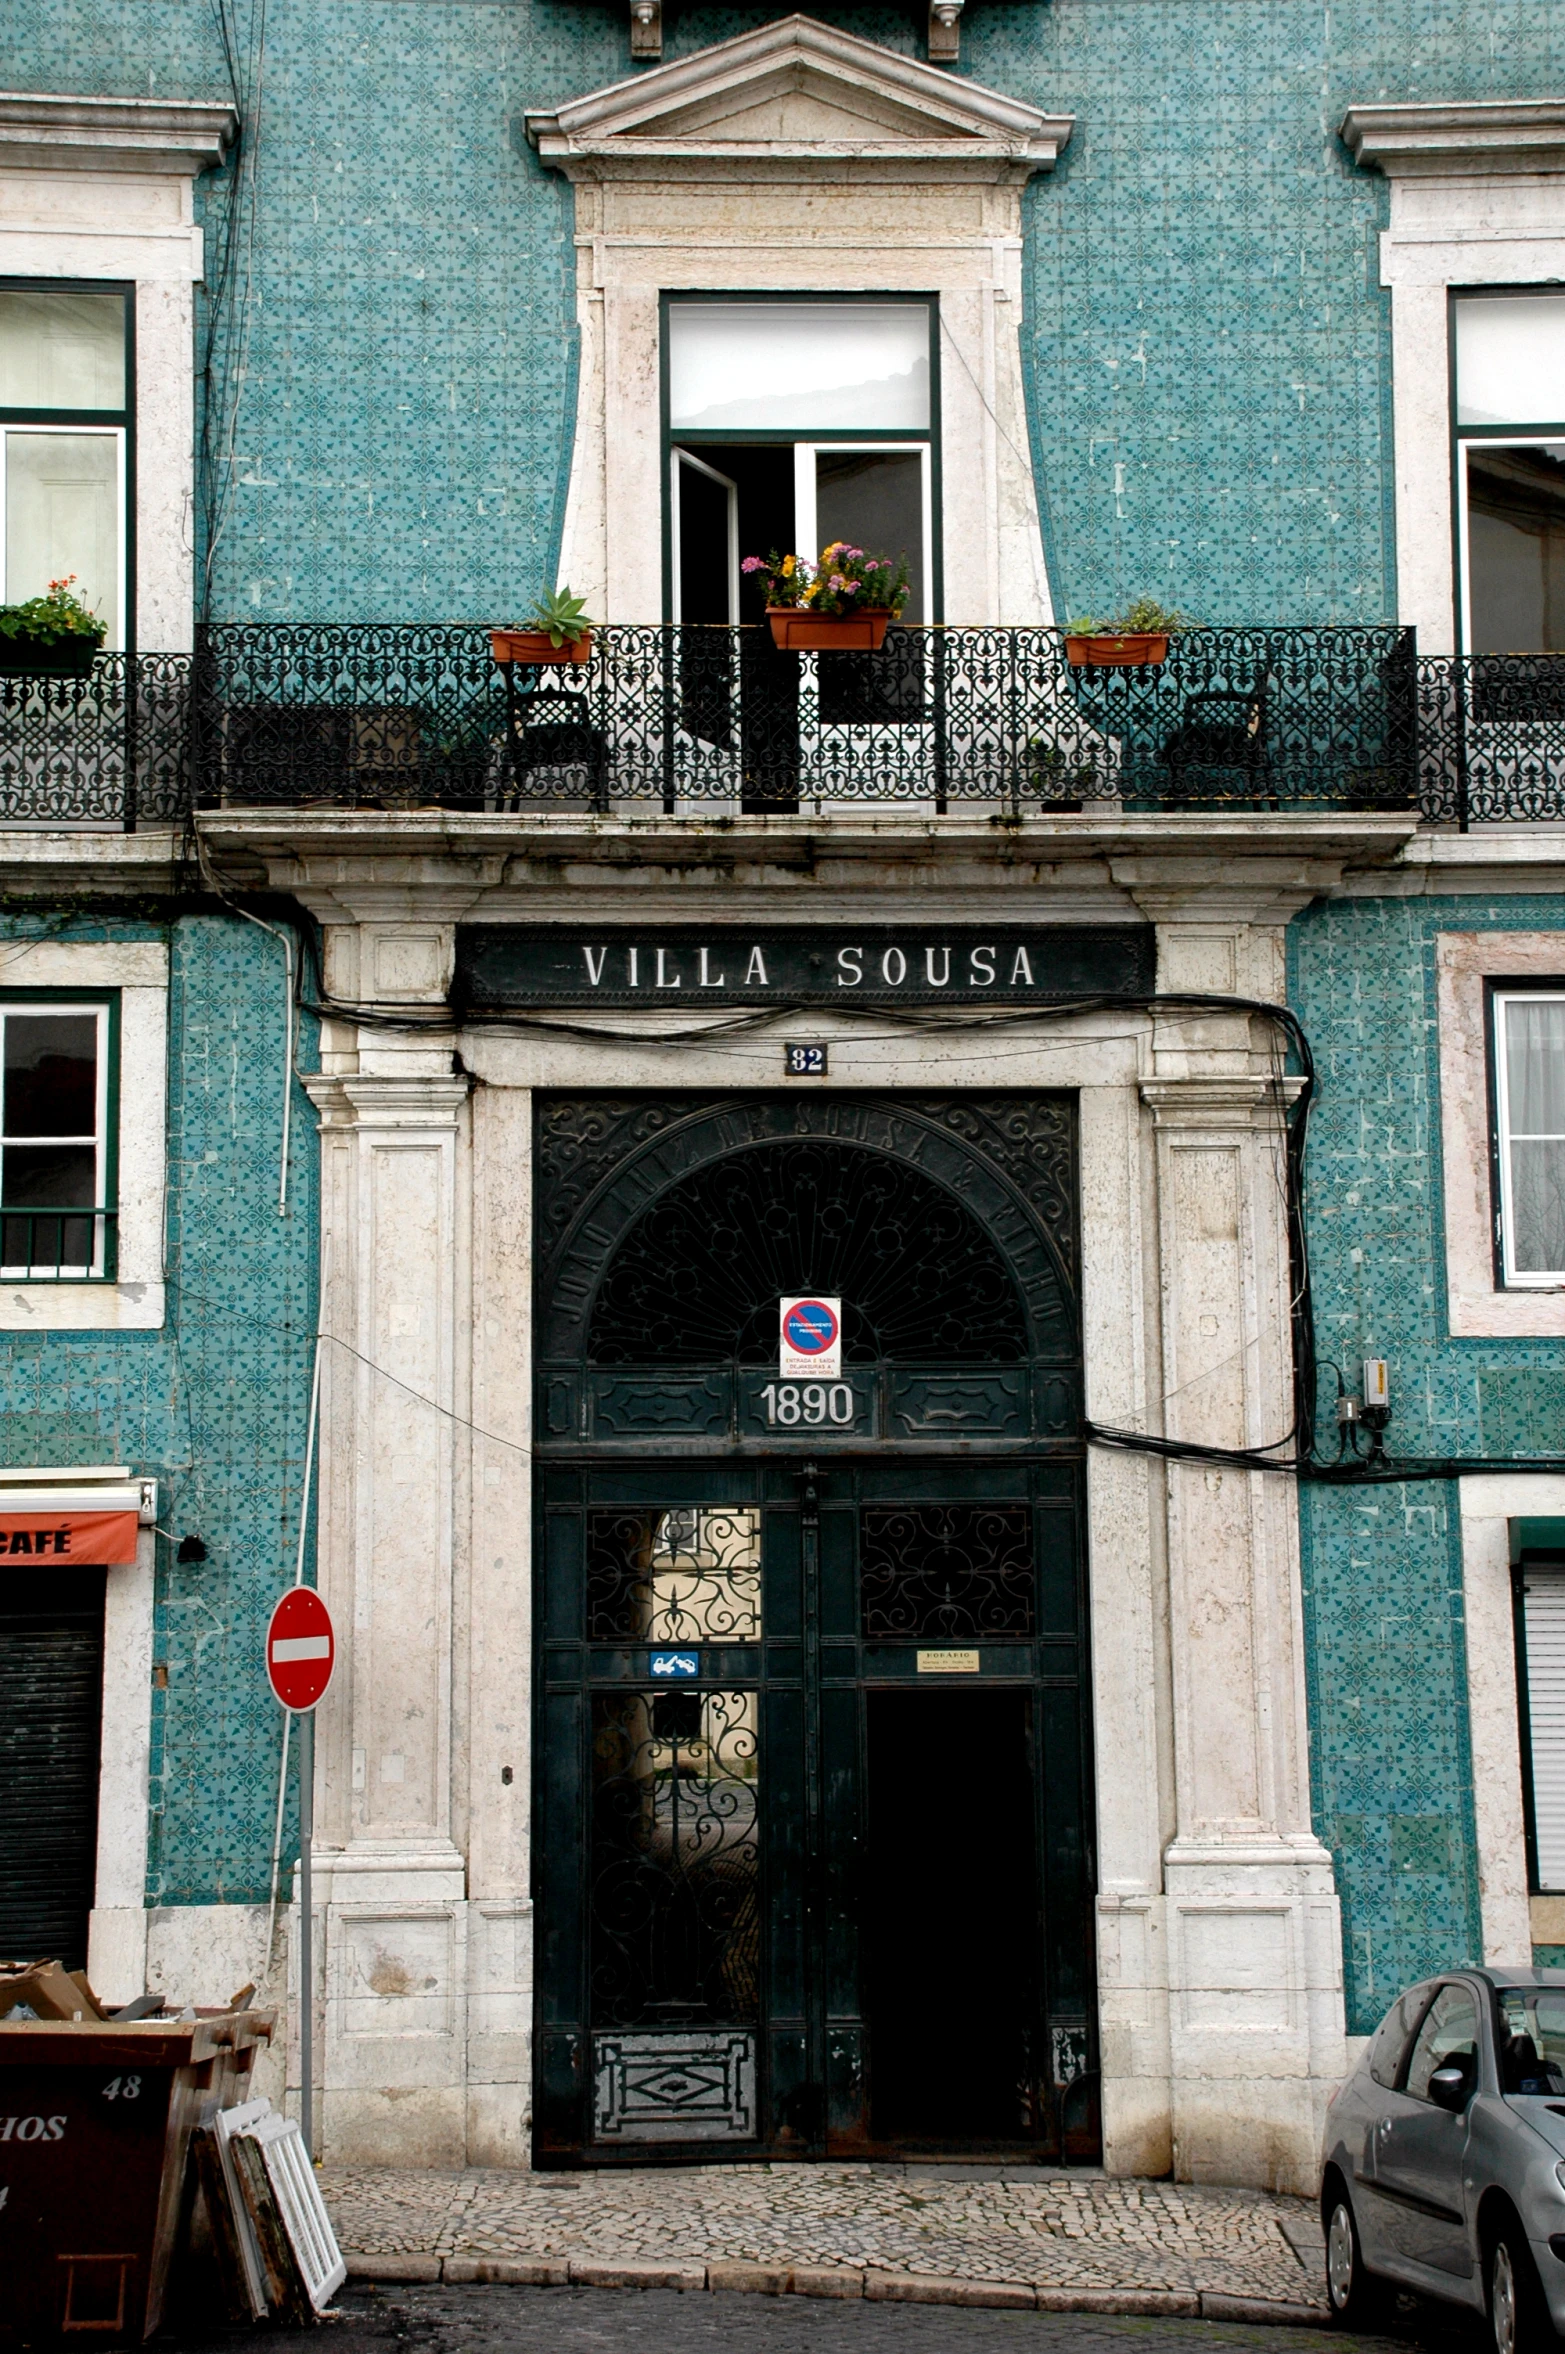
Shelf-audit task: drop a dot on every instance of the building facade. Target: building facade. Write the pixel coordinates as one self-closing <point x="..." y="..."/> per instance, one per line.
<point x="1052" y="1730"/>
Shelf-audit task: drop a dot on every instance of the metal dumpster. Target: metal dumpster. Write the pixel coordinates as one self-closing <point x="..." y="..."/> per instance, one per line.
<point x="95" y="2125"/>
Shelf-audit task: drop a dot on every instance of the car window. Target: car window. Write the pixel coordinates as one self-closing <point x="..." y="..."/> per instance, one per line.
<point x="1447" y="2039"/>
<point x="1532" y="2040"/>
<point x="1390" y="2040"/>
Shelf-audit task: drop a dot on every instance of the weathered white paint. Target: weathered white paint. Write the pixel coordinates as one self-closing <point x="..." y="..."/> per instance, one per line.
<point x="117" y="1925"/>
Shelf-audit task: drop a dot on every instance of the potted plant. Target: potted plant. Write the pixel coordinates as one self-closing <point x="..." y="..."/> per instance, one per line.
<point x="52" y="636"/>
<point x="843" y="604"/>
<point x="558" y="630"/>
<point x="1139" y="636"/>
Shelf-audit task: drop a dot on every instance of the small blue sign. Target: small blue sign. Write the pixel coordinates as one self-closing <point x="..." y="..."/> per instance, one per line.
<point x="677" y="1665"/>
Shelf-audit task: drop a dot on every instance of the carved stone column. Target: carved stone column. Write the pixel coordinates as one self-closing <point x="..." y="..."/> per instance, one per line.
<point x="390" y="1876"/>
<point x="1254" y="1950"/>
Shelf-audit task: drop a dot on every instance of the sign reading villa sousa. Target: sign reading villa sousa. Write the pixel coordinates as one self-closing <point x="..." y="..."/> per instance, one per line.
<point x="500" y="965"/>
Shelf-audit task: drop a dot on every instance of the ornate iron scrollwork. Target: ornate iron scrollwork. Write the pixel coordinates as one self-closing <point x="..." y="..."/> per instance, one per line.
<point x="687" y="1576"/>
<point x="951" y="1572"/>
<point x="698" y="1277"/>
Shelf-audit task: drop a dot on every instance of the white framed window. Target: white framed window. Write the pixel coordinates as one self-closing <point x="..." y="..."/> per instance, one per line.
<point x="1528" y="1060"/>
<point x="65" y="409"/>
<point x="57" y="1092"/>
<point x="1509" y="366"/>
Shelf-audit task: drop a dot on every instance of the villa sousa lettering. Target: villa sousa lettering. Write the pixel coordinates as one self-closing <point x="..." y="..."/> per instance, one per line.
<point x="500" y="965"/>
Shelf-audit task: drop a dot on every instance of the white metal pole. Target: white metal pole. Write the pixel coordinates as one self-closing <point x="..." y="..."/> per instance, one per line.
<point x="306" y="1970"/>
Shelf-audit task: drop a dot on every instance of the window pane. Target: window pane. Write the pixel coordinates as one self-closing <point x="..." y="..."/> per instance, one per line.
<point x="688" y="1576"/>
<point x="1538" y="1208"/>
<point x="50" y="1177"/>
<point x="62" y="518"/>
<point x="801" y="367"/>
<point x="1510" y="360"/>
<point x="61" y="351"/>
<point x="1516" y="548"/>
<point x="51" y="1075"/>
<point x="1535" y="1065"/>
<point x="1447" y="2039"/>
<point x="875" y="500"/>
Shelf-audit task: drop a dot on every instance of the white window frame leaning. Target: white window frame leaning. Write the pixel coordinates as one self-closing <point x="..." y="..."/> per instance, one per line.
<point x="68" y="1271"/>
<point x="1500" y="999"/>
<point x="139" y="970"/>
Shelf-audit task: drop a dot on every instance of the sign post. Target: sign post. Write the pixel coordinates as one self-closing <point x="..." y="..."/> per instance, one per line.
<point x="301" y="1651"/>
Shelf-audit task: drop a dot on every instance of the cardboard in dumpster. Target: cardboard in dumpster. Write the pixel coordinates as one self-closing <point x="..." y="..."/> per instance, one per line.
<point x="45" y="1990"/>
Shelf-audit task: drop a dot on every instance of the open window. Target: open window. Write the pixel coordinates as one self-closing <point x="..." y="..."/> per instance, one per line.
<point x="1509" y="357"/>
<point x="64" y="429"/>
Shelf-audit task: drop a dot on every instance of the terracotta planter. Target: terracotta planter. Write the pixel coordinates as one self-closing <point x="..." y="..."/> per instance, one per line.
<point x="69" y="657"/>
<point x="1107" y="651"/>
<point x="535" y="645"/>
<point x="797" y="631"/>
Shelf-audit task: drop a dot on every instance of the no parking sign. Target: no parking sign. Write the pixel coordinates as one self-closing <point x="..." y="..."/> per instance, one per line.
<point x="810" y="1338"/>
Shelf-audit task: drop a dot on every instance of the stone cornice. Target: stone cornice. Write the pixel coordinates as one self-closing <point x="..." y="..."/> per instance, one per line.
<point x="791" y="99"/>
<point x="1458" y="139"/>
<point x="55" y="133"/>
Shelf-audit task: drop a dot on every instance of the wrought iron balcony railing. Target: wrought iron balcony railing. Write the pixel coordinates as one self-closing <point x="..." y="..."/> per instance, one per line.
<point x="112" y="748"/>
<point x="695" y="717"/>
<point x="59" y="1245"/>
<point x="690" y="719"/>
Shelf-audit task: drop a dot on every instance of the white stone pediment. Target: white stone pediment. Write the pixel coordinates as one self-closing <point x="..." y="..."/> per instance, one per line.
<point x="802" y="95"/>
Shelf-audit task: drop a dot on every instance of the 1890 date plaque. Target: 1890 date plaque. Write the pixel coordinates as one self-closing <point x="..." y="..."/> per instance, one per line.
<point x="516" y="965"/>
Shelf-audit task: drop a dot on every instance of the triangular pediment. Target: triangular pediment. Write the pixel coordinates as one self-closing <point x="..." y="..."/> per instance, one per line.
<point x="796" y="88"/>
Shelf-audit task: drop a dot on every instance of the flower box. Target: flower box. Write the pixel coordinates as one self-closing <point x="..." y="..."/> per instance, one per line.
<point x="35" y="657"/>
<point x="1119" y="650"/>
<point x="536" y="645"/>
<point x="798" y="631"/>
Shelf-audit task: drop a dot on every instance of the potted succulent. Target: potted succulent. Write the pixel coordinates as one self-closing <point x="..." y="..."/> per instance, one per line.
<point x="843" y="604"/>
<point x="52" y="636"/>
<point x="558" y="630"/>
<point x="1139" y="636"/>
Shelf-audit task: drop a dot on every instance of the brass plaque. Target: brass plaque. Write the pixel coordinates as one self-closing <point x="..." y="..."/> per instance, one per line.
<point x="948" y="1663"/>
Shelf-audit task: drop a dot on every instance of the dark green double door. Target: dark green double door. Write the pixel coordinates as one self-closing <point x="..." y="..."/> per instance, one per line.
<point x="813" y="1872"/>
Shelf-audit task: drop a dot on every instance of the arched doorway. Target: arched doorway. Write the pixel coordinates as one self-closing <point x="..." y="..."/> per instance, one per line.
<point x="813" y="1782"/>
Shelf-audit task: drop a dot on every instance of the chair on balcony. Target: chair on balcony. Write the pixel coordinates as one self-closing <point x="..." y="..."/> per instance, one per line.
<point x="1217" y="756"/>
<point x="555" y="763"/>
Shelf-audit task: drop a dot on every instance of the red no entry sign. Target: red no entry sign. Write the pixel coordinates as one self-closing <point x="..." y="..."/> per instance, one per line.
<point x="301" y="1649"/>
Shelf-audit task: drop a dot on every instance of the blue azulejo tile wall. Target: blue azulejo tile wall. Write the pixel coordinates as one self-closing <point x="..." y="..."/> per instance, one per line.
<point x="216" y="1404"/>
<point x="1386" y="1656"/>
<point x="389" y="343"/>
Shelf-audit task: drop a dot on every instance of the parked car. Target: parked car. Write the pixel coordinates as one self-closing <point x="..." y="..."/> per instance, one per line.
<point x="1444" y="2165"/>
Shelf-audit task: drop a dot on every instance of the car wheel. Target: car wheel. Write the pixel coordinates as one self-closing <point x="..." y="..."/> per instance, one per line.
<point x="1354" y="2295"/>
<point x="1518" y="2323"/>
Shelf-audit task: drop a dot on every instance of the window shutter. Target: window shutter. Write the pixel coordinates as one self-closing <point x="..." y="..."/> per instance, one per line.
<point x="1543" y="1602"/>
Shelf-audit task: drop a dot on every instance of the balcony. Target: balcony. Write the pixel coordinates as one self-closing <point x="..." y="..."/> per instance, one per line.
<point x="697" y="720"/>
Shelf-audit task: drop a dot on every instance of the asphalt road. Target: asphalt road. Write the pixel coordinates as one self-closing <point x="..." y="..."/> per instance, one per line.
<point x="496" y="2320"/>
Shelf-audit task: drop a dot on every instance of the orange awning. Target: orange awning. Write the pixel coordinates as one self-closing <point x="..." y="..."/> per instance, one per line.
<point x="96" y="1539"/>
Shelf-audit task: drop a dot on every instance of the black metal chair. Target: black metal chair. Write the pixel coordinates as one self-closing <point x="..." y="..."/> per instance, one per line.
<point x="1219" y="745"/>
<point x="570" y="743"/>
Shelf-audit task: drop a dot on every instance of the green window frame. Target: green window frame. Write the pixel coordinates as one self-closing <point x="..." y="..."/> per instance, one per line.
<point x="62" y="1242"/>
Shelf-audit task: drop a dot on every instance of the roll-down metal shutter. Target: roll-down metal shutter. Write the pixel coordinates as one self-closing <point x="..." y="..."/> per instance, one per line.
<point x="1543" y="1607"/>
<point x="51" y="1706"/>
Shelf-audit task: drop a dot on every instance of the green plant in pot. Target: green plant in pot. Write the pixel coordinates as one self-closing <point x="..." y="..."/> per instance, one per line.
<point x="52" y="636"/>
<point x="1139" y="636"/>
<point x="558" y="629"/>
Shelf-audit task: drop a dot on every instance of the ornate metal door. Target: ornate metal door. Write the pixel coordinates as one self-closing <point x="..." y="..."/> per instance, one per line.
<point x="812" y="1789"/>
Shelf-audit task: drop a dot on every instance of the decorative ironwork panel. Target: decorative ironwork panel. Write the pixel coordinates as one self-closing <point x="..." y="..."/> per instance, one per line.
<point x="1492" y="738"/>
<point x="953" y="1572"/>
<point x="692" y="1575"/>
<point x="368" y="715"/>
<point x="674" y="1902"/>
<point x="678" y="2087"/>
<point x="108" y="748"/>
<point x="698" y="1277"/>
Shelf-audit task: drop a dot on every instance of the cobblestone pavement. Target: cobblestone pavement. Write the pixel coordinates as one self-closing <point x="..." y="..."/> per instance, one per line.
<point x="1068" y="2231"/>
<point x="494" y="2320"/>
